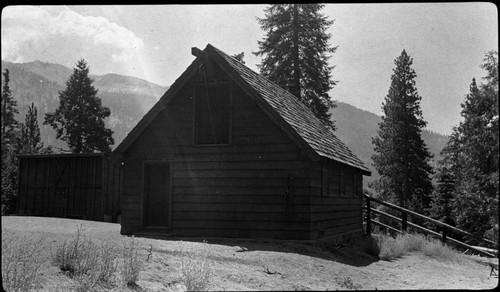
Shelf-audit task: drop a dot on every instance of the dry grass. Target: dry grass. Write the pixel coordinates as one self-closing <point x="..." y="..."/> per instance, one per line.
<point x="196" y="269"/>
<point x="390" y="248"/>
<point x="21" y="260"/>
<point x="347" y="283"/>
<point x="131" y="264"/>
<point x="91" y="266"/>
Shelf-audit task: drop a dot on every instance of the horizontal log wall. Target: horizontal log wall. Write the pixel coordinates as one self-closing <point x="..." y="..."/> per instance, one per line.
<point x="237" y="190"/>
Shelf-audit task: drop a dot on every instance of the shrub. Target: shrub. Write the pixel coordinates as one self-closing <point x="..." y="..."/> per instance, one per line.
<point x="21" y="260"/>
<point x="434" y="248"/>
<point x="196" y="270"/>
<point x="131" y="264"/>
<point x="392" y="248"/>
<point x="90" y="265"/>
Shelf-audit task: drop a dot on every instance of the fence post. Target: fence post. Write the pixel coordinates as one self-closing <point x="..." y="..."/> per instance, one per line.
<point x="404" y="222"/>
<point x="368" y="217"/>
<point x="444" y="235"/>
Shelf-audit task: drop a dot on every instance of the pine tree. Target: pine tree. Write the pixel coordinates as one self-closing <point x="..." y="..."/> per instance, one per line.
<point x="296" y="54"/>
<point x="30" y="141"/>
<point x="476" y="203"/>
<point x="441" y="206"/>
<point x="9" y="110"/>
<point x="401" y="156"/>
<point x="79" y="119"/>
<point x="9" y="133"/>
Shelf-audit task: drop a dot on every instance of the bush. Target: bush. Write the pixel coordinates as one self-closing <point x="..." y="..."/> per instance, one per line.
<point x="196" y="270"/>
<point x="392" y="248"/>
<point x="131" y="264"/>
<point x="90" y="265"/>
<point x="21" y="260"/>
<point x="434" y="248"/>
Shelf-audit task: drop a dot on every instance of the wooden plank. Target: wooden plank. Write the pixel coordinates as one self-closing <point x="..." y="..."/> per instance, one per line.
<point x="236" y="173"/>
<point x="239" y="165"/>
<point x="260" y="139"/>
<point x="245" y="216"/>
<point x="225" y="207"/>
<point x="241" y="225"/>
<point x="99" y="216"/>
<point x="328" y="231"/>
<point x="276" y="198"/>
<point x="236" y="182"/>
<point x="238" y="190"/>
<point x="35" y="171"/>
<point x="334" y="215"/>
<point x="336" y="200"/>
<point x="335" y="207"/>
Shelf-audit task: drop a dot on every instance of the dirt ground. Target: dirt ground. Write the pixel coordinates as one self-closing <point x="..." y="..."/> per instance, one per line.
<point x="260" y="264"/>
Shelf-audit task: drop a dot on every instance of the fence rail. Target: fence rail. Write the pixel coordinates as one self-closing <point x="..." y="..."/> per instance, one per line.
<point x="446" y="229"/>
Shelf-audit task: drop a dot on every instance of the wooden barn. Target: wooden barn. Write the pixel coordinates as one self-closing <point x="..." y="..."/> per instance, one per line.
<point x="80" y="186"/>
<point x="227" y="153"/>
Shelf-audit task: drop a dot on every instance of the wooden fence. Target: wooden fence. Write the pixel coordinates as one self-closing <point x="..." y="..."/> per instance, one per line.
<point x="446" y="229"/>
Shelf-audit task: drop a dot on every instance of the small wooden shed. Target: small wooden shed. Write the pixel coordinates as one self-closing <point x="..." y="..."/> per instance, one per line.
<point x="80" y="186"/>
<point x="227" y="153"/>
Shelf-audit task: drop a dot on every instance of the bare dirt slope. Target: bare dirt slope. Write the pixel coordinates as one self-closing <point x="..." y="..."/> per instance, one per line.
<point x="260" y="264"/>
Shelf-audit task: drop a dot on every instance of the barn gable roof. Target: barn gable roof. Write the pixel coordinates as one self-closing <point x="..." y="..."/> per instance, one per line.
<point x="285" y="109"/>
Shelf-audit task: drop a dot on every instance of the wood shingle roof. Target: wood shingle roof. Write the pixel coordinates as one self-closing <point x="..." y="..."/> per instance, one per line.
<point x="317" y="135"/>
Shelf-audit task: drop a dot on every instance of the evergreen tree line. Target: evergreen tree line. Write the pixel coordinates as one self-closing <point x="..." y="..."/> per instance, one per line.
<point x="17" y="138"/>
<point x="79" y="121"/>
<point x="466" y="191"/>
<point x="467" y="177"/>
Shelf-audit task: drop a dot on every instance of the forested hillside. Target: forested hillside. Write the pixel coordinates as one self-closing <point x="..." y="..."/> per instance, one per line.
<point x="129" y="98"/>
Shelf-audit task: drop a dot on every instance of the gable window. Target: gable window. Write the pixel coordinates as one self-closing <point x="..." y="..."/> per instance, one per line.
<point x="213" y="103"/>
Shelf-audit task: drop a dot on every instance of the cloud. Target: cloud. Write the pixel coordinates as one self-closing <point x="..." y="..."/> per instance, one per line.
<point x="30" y="32"/>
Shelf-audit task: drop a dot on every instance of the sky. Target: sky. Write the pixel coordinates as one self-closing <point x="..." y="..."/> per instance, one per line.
<point x="447" y="42"/>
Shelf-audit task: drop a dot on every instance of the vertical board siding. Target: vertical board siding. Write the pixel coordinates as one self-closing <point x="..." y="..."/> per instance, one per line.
<point x="72" y="186"/>
<point x="237" y="190"/>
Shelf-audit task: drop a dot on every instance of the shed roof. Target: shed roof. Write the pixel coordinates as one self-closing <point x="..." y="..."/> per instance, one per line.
<point x="292" y="115"/>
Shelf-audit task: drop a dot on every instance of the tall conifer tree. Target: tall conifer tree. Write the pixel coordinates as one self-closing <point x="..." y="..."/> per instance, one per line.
<point x="401" y="156"/>
<point x="9" y="134"/>
<point x="296" y="54"/>
<point x="9" y="123"/>
<point x="474" y="155"/>
<point x="30" y="141"/>
<point x="79" y="119"/>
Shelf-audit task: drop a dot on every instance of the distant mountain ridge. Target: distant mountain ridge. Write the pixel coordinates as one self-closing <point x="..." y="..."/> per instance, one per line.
<point x="129" y="98"/>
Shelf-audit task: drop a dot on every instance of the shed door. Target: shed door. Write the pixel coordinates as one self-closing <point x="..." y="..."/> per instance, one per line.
<point x="156" y="195"/>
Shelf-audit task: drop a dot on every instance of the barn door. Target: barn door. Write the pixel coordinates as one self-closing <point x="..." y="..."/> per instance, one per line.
<point x="157" y="195"/>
